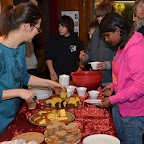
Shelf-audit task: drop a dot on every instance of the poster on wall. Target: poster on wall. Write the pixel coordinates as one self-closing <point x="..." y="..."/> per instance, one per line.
<point x="124" y="8"/>
<point x="75" y="16"/>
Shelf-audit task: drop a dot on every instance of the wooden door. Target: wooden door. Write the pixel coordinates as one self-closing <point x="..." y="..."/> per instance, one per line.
<point x="5" y="2"/>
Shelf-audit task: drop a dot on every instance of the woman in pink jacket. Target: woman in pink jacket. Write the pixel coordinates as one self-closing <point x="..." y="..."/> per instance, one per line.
<point x="128" y="78"/>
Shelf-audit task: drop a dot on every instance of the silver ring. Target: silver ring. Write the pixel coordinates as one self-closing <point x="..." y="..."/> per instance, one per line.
<point x="34" y="98"/>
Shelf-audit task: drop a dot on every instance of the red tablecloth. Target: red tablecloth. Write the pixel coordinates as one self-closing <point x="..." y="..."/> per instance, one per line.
<point x="89" y="118"/>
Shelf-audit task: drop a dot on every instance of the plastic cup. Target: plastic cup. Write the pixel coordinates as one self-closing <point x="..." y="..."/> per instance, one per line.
<point x="64" y="80"/>
<point x="81" y="91"/>
<point x="32" y="105"/>
<point x="93" y="94"/>
<point x="71" y="88"/>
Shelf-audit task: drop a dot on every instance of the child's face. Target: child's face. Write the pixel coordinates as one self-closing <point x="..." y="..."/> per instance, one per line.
<point x="112" y="37"/>
<point x="63" y="30"/>
<point x="91" y="32"/>
<point x="99" y="19"/>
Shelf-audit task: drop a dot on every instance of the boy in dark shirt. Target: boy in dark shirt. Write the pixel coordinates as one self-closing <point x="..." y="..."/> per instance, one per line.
<point x="62" y="54"/>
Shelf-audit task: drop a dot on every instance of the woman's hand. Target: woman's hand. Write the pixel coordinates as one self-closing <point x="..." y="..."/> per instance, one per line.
<point x="105" y="103"/>
<point x="27" y="95"/>
<point x="56" y="86"/>
<point x="107" y="91"/>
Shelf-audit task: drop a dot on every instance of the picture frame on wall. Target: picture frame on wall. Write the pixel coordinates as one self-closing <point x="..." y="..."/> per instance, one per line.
<point x="124" y="8"/>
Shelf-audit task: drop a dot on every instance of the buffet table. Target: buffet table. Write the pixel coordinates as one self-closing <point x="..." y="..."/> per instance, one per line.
<point x="89" y="118"/>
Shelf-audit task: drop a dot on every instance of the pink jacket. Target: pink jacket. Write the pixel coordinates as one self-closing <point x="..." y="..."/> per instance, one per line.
<point x="130" y="86"/>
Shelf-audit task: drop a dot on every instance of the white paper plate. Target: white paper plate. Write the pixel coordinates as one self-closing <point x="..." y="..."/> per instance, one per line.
<point x="101" y="139"/>
<point x="77" y="142"/>
<point x="42" y="93"/>
<point x="93" y="101"/>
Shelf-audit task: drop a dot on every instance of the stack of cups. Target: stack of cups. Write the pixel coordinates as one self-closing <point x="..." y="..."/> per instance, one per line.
<point x="64" y="80"/>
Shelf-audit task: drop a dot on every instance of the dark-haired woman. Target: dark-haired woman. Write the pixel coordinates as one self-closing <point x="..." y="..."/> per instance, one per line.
<point x="128" y="77"/>
<point x="17" y="24"/>
<point x="62" y="53"/>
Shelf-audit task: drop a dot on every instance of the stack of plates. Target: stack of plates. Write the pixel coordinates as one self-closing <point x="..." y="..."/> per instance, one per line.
<point x="42" y="93"/>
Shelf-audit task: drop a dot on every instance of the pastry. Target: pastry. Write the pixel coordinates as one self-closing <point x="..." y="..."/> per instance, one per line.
<point x="62" y="113"/>
<point x="69" y="137"/>
<point x="61" y="136"/>
<point x="59" y="102"/>
<point x="59" y="142"/>
<point x="70" y="127"/>
<point x="43" y="117"/>
<point x="61" y="133"/>
<point x="63" y="94"/>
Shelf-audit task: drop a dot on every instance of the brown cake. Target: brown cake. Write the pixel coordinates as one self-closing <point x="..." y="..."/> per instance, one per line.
<point x="44" y="117"/>
<point x="61" y="102"/>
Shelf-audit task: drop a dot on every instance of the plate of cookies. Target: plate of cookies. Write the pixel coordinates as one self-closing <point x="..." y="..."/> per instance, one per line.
<point x="59" y="132"/>
<point x="44" y="117"/>
<point x="62" y="101"/>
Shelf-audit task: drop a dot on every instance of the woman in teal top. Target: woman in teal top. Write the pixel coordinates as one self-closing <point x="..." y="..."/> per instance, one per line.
<point x="17" y="24"/>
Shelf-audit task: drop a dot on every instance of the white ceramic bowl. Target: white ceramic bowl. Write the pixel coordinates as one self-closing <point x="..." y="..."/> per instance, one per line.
<point x="93" y="94"/>
<point x="101" y="139"/>
<point x="81" y="91"/>
<point x="94" y="65"/>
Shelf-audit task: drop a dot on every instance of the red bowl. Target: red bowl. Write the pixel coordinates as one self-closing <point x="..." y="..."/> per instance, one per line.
<point x="89" y="79"/>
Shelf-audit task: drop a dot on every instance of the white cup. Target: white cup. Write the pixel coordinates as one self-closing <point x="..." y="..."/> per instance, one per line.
<point x="94" y="65"/>
<point x="69" y="92"/>
<point x="81" y="91"/>
<point x="64" y="80"/>
<point x="71" y="88"/>
<point x="93" y="94"/>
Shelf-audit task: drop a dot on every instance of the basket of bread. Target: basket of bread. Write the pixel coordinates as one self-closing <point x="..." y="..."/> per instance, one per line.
<point x="60" y="133"/>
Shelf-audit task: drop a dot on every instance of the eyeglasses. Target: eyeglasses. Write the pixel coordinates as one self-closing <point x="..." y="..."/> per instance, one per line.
<point x="39" y="30"/>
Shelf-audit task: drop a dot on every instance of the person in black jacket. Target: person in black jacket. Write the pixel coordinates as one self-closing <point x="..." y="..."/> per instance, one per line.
<point x="62" y="53"/>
